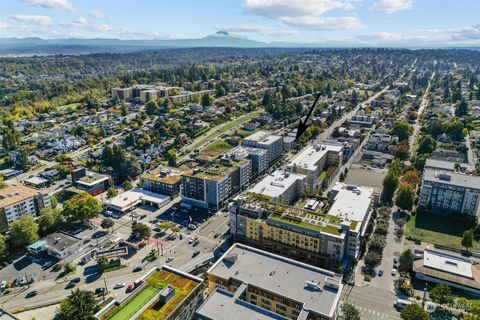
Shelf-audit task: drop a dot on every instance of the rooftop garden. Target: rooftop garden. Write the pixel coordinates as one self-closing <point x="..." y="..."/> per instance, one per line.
<point x="327" y="228"/>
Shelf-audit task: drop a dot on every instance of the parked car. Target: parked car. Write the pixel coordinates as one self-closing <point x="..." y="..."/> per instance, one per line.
<point x="195" y="243"/>
<point x="380" y="273"/>
<point x="119" y="285"/>
<point x="100" y="290"/>
<point x="394" y="272"/>
<point x="130" y="287"/>
<point x="216" y="235"/>
<point x="3" y="284"/>
<point x="195" y="253"/>
<point x="75" y="280"/>
<point x="191" y="226"/>
<point x="137" y="269"/>
<point x="192" y="240"/>
<point x="31" y="294"/>
<point x="70" y="285"/>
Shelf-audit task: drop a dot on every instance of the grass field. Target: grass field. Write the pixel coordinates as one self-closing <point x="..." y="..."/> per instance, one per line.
<point x="226" y="127"/>
<point x="216" y="148"/>
<point x="128" y="310"/>
<point x="437" y="229"/>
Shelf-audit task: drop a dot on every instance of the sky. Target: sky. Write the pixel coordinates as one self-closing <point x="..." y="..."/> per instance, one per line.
<point x="348" y="22"/>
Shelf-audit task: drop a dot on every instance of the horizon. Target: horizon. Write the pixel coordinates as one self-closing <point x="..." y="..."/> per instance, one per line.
<point x="338" y="23"/>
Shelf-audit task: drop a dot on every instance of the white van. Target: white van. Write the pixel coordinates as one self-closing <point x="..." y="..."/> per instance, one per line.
<point x="400" y="303"/>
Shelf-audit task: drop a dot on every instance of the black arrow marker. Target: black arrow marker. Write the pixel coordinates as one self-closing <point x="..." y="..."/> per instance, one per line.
<point x="302" y="126"/>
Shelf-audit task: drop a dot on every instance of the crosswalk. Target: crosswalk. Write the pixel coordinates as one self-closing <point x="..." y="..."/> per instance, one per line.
<point x="370" y="314"/>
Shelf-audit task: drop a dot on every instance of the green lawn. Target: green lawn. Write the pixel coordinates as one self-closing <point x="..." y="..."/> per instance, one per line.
<point x="128" y="310"/>
<point x="226" y="127"/>
<point x="216" y="148"/>
<point x="437" y="229"/>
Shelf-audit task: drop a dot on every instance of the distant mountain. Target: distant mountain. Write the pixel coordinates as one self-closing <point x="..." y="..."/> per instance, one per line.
<point x="39" y="46"/>
<point x="31" y="46"/>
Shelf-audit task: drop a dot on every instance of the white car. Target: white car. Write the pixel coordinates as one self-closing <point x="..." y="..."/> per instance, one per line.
<point x="394" y="272"/>
<point x="191" y="240"/>
<point x="119" y="285"/>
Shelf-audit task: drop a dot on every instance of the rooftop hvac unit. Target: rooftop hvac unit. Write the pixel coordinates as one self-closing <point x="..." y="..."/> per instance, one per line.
<point x="312" y="285"/>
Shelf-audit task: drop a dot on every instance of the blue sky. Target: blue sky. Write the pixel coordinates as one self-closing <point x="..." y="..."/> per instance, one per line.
<point x="362" y="22"/>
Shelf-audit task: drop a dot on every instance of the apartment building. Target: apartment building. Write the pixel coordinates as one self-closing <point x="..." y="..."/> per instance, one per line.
<point x="280" y="187"/>
<point x="323" y="239"/>
<point x="243" y="169"/>
<point x="163" y="181"/>
<point x="18" y="200"/>
<point x="188" y="96"/>
<point x="449" y="192"/>
<point x="277" y="288"/>
<point x="266" y="140"/>
<point x="94" y="183"/>
<point x="122" y="94"/>
<point x="314" y="159"/>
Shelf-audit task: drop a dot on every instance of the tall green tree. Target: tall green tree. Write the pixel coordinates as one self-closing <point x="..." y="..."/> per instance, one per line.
<point x="455" y="130"/>
<point x="467" y="239"/>
<point x="442" y="294"/>
<point x="49" y="219"/>
<point x="350" y="312"/>
<point x="405" y="197"/>
<point x="3" y="247"/>
<point x="405" y="262"/>
<point x="152" y="107"/>
<point x="402" y="130"/>
<point x="23" y="231"/>
<point x="461" y="108"/>
<point x="390" y="183"/>
<point x="141" y="231"/>
<point x="80" y="305"/>
<point x="426" y="145"/>
<point x="81" y="208"/>
<point x="413" y="312"/>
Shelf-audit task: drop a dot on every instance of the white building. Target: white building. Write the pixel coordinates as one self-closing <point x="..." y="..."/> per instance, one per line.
<point x="280" y="187"/>
<point x="353" y="205"/>
<point x="266" y="140"/>
<point x="314" y="159"/>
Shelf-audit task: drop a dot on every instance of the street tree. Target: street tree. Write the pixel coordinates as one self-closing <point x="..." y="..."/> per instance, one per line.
<point x="107" y="223"/>
<point x="405" y="197"/>
<point x="80" y="305"/>
<point x="49" y="219"/>
<point x="111" y="192"/>
<point x="350" y="312"/>
<point x="81" y="207"/>
<point x="467" y="240"/>
<point x="413" y="312"/>
<point x="405" y="262"/>
<point x="23" y="231"/>
<point x="442" y="294"/>
<point x="390" y="183"/>
<point x="103" y="263"/>
<point x="141" y="231"/>
<point x="3" y="247"/>
<point x="372" y="259"/>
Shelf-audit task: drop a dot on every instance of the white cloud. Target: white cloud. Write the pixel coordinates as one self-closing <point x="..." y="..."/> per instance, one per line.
<point x="278" y="9"/>
<point x="52" y="4"/>
<point x="38" y="20"/>
<point x="324" y="23"/>
<point x="306" y="14"/>
<point x="256" y="28"/>
<point x="100" y="27"/>
<point x="3" y="25"/>
<point x="391" y="6"/>
<point x="80" y="20"/>
<point x="98" y="14"/>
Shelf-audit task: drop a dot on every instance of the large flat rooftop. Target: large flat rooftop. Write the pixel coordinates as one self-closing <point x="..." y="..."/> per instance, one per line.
<point x="263" y="137"/>
<point x="310" y="157"/>
<point x="281" y="276"/>
<point x="222" y="304"/>
<point x="276" y="183"/>
<point x="451" y="178"/>
<point x="15" y="193"/>
<point x="351" y="203"/>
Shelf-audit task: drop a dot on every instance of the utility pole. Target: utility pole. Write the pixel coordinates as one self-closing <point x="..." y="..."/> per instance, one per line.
<point x="424" y="296"/>
<point x="106" y="288"/>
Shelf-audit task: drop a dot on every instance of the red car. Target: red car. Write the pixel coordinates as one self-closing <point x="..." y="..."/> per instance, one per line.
<point x="130" y="288"/>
